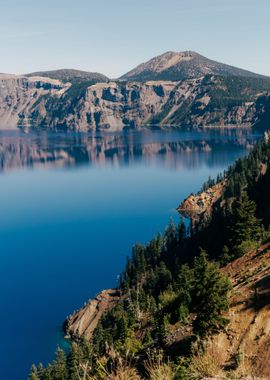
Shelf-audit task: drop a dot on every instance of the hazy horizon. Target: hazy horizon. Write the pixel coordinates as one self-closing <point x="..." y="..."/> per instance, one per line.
<point x="114" y="37"/>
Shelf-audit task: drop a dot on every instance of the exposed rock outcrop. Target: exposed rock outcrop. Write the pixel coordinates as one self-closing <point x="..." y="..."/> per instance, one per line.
<point x="40" y="102"/>
<point x="84" y="321"/>
<point x="20" y="95"/>
<point x="199" y="206"/>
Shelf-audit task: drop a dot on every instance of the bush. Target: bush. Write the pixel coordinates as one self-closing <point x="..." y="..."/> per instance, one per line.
<point x="245" y="247"/>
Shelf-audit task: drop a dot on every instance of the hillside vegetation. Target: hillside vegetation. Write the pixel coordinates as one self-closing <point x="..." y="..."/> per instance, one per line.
<point x="193" y="303"/>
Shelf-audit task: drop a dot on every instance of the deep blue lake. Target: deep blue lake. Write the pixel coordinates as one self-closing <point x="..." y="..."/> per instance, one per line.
<point x="72" y="206"/>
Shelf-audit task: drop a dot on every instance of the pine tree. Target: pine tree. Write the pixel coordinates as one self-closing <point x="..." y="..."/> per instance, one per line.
<point x="244" y="224"/>
<point x="34" y="373"/>
<point x="60" y="365"/>
<point x="74" y="361"/>
<point x="182" y="231"/>
<point x="170" y="236"/>
<point x="210" y="296"/>
<point x="98" y="340"/>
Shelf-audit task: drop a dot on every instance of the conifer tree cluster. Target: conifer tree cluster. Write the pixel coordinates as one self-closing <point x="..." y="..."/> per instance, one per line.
<point x="175" y="281"/>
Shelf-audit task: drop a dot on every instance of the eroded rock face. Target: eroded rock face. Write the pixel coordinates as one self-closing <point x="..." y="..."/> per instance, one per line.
<point x="199" y="206"/>
<point x="84" y="321"/>
<point x="19" y="96"/>
<point x="40" y="102"/>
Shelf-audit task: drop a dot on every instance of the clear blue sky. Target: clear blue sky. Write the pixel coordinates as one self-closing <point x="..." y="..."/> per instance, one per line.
<point x="112" y="36"/>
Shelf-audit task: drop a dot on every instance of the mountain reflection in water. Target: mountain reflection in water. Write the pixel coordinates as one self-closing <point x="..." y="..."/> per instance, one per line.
<point x="169" y="149"/>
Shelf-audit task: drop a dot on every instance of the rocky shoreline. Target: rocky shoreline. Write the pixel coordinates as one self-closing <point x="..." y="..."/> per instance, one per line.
<point x="83" y="322"/>
<point x="199" y="206"/>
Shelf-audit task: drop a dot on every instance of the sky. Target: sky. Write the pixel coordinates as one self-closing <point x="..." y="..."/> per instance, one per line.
<point x="113" y="36"/>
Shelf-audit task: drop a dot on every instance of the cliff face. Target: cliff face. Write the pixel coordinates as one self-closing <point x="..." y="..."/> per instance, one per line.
<point x="207" y="101"/>
<point x="84" y="321"/>
<point x="198" y="207"/>
<point x="20" y="95"/>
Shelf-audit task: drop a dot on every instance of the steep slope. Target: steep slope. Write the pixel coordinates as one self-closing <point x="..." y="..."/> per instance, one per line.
<point x="180" y="66"/>
<point x="245" y="344"/>
<point x="42" y="102"/>
<point x="19" y="95"/>
<point x="70" y="75"/>
<point x="115" y="106"/>
<point x="247" y="337"/>
<point x="84" y="322"/>
<point x="175" y="298"/>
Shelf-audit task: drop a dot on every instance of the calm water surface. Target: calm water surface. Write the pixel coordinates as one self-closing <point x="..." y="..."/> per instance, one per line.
<point x="71" y="208"/>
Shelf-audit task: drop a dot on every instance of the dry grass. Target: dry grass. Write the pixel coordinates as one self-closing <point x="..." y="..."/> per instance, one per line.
<point x="206" y="364"/>
<point x="157" y="369"/>
<point x="243" y="369"/>
<point x="124" y="373"/>
<point x="120" y="368"/>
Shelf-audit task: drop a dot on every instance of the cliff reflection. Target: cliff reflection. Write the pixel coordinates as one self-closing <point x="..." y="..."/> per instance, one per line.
<point x="172" y="150"/>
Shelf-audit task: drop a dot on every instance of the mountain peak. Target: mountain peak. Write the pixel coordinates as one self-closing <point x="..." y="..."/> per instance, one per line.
<point x="182" y="65"/>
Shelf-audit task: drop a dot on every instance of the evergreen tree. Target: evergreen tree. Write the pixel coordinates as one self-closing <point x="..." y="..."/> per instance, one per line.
<point x="210" y="296"/>
<point x="74" y="361"/>
<point x="34" y="373"/>
<point x="244" y="225"/>
<point x="60" y="366"/>
<point x="184" y="288"/>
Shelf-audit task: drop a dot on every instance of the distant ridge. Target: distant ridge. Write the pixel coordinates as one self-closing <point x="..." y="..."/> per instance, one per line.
<point x="174" y="90"/>
<point x="182" y="65"/>
<point x="71" y="75"/>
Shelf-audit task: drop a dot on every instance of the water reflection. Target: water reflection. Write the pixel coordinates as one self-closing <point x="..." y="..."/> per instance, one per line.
<point x="170" y="149"/>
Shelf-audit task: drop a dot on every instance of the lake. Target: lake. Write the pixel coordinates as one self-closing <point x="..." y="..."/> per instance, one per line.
<point x="72" y="206"/>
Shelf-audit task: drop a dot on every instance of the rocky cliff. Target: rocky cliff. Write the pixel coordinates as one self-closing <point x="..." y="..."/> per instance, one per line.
<point x="40" y="102"/>
<point x="84" y="321"/>
<point x="200" y="206"/>
<point x="19" y="97"/>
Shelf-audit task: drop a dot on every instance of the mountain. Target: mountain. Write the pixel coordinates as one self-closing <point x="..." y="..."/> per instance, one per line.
<point x="42" y="102"/>
<point x="70" y="75"/>
<point x="181" y="66"/>
<point x="173" y="90"/>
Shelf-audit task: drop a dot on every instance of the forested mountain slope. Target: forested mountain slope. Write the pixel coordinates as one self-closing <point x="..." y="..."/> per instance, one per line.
<point x="183" y="313"/>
